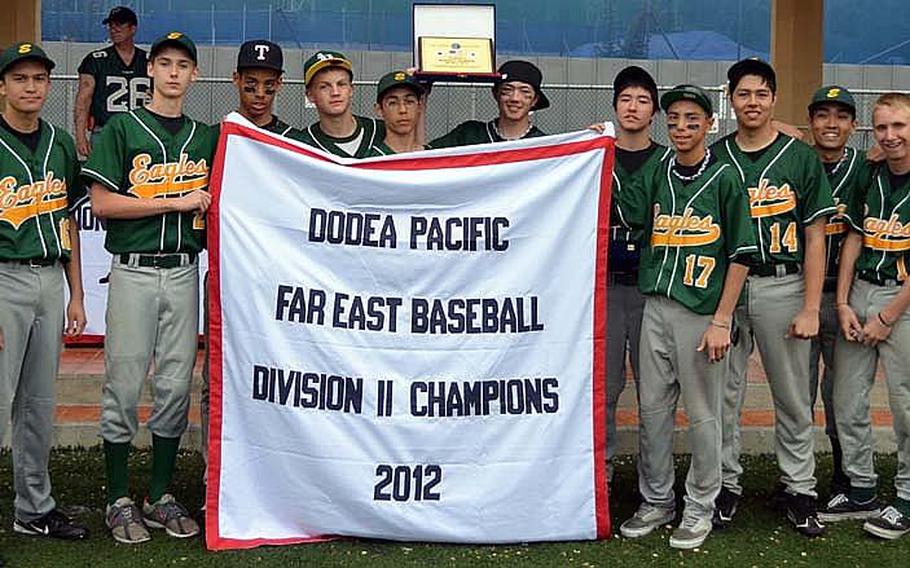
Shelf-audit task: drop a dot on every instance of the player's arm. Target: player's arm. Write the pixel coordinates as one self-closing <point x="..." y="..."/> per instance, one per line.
<point x="75" y="311"/>
<point x="107" y="204"/>
<point x="716" y="339"/>
<point x="878" y="327"/>
<point x="805" y="324"/>
<point x="81" y="112"/>
<point x="849" y="252"/>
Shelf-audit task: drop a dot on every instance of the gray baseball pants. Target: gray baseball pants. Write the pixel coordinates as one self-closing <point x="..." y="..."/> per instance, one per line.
<point x="624" y="305"/>
<point x="823" y="349"/>
<point x="32" y="317"/>
<point x="670" y="367"/>
<point x="854" y="368"/>
<point x="152" y="316"/>
<point x="770" y="305"/>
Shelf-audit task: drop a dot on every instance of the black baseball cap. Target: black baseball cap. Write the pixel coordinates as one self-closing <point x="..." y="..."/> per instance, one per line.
<point x="398" y="79"/>
<point x="174" y="39"/>
<point x="751" y="66"/>
<point x="687" y="93"/>
<point x="526" y="72"/>
<point x="24" y="50"/>
<point x="120" y="15"/>
<point x="833" y="94"/>
<point x="635" y="76"/>
<point x="260" y="54"/>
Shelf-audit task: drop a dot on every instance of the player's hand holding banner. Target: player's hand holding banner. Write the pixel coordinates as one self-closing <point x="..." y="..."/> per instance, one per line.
<point x="409" y="347"/>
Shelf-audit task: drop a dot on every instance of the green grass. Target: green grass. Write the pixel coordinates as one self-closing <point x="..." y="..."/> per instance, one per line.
<point x="759" y="537"/>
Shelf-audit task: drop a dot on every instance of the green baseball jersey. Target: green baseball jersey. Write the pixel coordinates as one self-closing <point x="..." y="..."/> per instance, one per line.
<point x="693" y="231"/>
<point x="625" y="245"/>
<point x="119" y="87"/>
<point x="882" y="215"/>
<point x="38" y="190"/>
<point x="850" y="175"/>
<point x="383" y="149"/>
<point x="788" y="190"/>
<point x="137" y="157"/>
<point x="368" y="132"/>
<point x="476" y="132"/>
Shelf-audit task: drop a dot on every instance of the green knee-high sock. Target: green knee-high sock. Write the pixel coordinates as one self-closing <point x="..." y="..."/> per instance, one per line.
<point x="115" y="463"/>
<point x="164" y="458"/>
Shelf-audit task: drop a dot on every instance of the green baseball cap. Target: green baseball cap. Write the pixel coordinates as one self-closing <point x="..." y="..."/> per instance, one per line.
<point x="323" y="60"/>
<point x="398" y="79"/>
<point x="832" y="94"/>
<point x="174" y="39"/>
<point x="687" y="93"/>
<point x="22" y="51"/>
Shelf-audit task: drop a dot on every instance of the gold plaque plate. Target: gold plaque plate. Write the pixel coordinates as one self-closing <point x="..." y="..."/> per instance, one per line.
<point x="456" y="55"/>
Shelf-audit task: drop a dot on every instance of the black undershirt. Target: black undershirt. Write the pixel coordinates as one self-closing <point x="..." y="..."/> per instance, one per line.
<point x="829" y="167"/>
<point x="170" y="123"/>
<point x="29" y="139"/>
<point x="632" y="160"/>
<point x="757" y="154"/>
<point x="898" y="180"/>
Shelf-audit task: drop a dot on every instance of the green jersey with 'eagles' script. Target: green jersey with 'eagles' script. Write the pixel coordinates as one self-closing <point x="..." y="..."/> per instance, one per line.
<point x="137" y="157"/>
<point x="787" y="189"/>
<point x="38" y="190"/>
<point x="693" y="230"/>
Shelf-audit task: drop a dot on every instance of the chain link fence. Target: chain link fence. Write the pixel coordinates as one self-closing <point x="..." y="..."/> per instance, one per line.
<point x="572" y="107"/>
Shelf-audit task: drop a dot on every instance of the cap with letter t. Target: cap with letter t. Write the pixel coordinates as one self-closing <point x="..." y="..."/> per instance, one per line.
<point x="260" y="54"/>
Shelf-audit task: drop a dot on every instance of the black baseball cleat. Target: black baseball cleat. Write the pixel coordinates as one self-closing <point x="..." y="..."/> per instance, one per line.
<point x="779" y="498"/>
<point x="53" y="525"/>
<point x="890" y="524"/>
<point x="841" y="508"/>
<point x="801" y="510"/>
<point x="724" y="508"/>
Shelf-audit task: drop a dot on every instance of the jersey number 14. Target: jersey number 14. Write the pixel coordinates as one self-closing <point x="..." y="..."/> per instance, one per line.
<point x="789" y="241"/>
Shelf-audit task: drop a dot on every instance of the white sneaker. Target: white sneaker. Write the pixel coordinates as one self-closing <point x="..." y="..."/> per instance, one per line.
<point x="691" y="533"/>
<point x="647" y="518"/>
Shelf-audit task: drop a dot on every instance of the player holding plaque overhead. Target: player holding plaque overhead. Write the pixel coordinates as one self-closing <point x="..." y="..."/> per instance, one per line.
<point x="517" y="93"/>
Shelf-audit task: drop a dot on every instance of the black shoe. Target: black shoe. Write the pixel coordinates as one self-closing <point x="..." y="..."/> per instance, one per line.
<point x="724" y="508"/>
<point x="779" y="498"/>
<point x="801" y="510"/>
<point x="54" y="525"/>
<point x="841" y="508"/>
<point x="889" y="524"/>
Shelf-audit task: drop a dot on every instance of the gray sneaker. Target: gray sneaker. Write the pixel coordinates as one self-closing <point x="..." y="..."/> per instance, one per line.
<point x="647" y="518"/>
<point x="166" y="513"/>
<point x="125" y="522"/>
<point x="691" y="532"/>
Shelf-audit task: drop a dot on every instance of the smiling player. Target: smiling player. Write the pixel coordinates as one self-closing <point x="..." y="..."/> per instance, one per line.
<point x="696" y="217"/>
<point x="790" y="199"/>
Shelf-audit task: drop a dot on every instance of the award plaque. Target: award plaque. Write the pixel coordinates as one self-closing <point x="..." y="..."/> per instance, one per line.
<point x="455" y="42"/>
<point x="459" y="55"/>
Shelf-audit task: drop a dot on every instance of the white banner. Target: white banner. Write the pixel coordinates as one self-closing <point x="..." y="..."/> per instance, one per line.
<point x="96" y="269"/>
<point x="409" y="347"/>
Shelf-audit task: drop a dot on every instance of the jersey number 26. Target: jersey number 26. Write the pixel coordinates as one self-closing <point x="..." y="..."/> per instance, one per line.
<point x="129" y="93"/>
